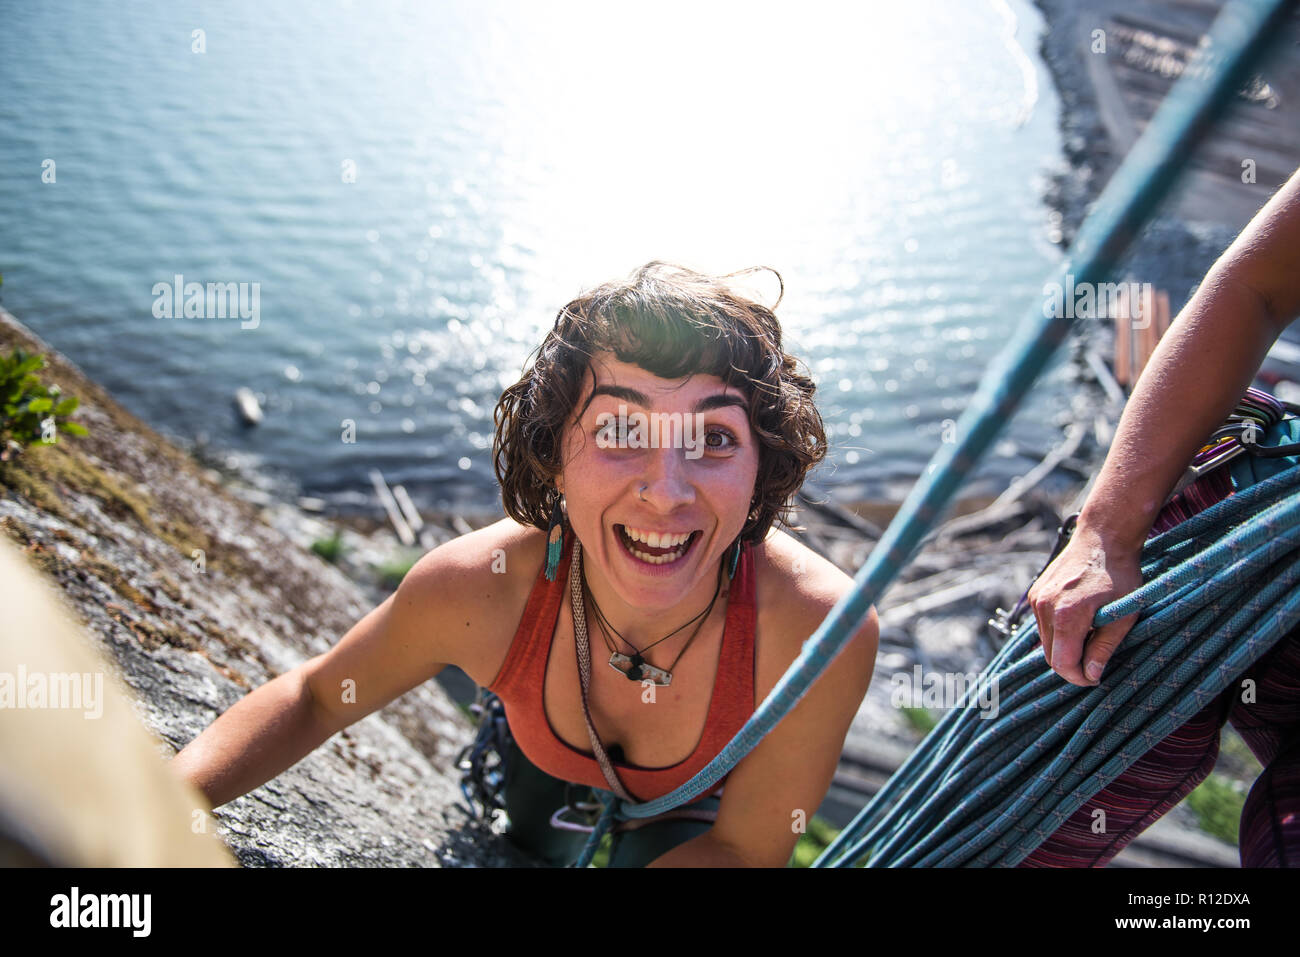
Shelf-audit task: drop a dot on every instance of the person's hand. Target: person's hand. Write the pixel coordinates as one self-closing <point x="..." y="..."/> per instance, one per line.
<point x="1089" y="573"/>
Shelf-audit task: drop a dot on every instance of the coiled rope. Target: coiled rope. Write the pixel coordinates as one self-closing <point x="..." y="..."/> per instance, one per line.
<point x="1221" y="589"/>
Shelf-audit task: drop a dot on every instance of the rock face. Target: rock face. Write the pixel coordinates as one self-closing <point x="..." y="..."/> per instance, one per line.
<point x="198" y="601"/>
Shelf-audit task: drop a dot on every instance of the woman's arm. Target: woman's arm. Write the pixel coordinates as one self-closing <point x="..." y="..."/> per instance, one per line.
<point x="776" y="789"/>
<point x="270" y="729"/>
<point x="702" y="851"/>
<point x="1201" y="368"/>
<point x="436" y="617"/>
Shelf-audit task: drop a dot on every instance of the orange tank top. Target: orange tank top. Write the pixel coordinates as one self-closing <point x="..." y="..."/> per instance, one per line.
<point x="520" y="683"/>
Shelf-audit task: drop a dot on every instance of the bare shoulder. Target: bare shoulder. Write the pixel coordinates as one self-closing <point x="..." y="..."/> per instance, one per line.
<point x="794" y="580"/>
<point x="476" y="586"/>
<point x="492" y="556"/>
<point x="458" y="605"/>
<point x="797" y="588"/>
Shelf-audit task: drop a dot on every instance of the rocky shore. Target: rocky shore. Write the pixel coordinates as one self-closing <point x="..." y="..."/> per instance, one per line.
<point x="1112" y="62"/>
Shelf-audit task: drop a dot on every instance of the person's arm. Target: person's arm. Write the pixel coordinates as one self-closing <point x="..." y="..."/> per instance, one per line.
<point x="270" y="729"/>
<point x="780" y="784"/>
<point x="400" y="644"/>
<point x="1197" y="374"/>
<point x="703" y="851"/>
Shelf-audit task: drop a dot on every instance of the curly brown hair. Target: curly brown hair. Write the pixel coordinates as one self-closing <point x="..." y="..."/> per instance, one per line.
<point x="672" y="322"/>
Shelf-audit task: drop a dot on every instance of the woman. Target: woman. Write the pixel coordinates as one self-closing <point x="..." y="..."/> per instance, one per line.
<point x="658" y="435"/>
<point x="1197" y="374"/>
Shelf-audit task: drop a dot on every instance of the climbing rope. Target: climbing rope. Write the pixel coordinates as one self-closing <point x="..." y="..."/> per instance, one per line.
<point x="1221" y="589"/>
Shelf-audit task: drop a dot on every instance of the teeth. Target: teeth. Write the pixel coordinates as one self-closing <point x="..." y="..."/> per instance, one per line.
<point x="656" y="539"/>
<point x="658" y="559"/>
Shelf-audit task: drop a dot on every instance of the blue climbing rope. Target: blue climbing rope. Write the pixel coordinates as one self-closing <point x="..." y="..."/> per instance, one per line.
<point x="984" y="793"/>
<point x="1237" y="39"/>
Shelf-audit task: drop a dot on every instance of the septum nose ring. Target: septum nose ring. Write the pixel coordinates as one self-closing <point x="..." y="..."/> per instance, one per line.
<point x="641" y="494"/>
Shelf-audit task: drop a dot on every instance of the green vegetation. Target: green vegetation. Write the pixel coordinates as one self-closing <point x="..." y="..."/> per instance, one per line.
<point x="920" y="719"/>
<point x="45" y="474"/>
<point x="1217" y="803"/>
<point x="601" y="857"/>
<point x="812" y="842"/>
<point x="1236" y="760"/>
<point x="329" y="548"/>
<point x="31" y="412"/>
<point x="394" y="570"/>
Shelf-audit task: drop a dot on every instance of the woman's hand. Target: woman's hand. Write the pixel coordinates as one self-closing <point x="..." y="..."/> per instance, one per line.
<point x="1193" y="380"/>
<point x="1091" y="571"/>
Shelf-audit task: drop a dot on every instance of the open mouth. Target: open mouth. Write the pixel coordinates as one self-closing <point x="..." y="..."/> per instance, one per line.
<point x="659" y="554"/>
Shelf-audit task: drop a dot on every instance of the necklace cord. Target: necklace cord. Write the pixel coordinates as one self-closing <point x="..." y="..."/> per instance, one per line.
<point x="604" y="623"/>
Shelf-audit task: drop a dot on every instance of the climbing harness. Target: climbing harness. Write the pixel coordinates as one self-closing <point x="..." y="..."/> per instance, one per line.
<point x="1007" y="622"/>
<point x="482" y="762"/>
<point x="586" y="812"/>
<point x="1255" y="413"/>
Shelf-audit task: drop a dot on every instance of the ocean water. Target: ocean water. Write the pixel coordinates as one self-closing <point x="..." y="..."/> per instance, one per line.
<point x="414" y="189"/>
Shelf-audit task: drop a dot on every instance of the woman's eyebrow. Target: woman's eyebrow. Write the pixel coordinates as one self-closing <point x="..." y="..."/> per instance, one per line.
<point x="716" y="401"/>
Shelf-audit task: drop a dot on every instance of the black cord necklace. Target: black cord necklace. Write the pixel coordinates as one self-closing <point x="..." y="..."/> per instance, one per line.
<point x="636" y="668"/>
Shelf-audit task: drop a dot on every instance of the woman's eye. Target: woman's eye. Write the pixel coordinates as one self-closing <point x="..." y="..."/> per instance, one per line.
<point x="613" y="435"/>
<point x="728" y="440"/>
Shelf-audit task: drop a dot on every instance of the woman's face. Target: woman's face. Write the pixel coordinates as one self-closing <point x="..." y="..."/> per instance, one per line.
<point x="699" y="480"/>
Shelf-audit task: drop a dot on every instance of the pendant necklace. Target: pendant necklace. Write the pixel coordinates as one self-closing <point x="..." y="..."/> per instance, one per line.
<point x="636" y="668"/>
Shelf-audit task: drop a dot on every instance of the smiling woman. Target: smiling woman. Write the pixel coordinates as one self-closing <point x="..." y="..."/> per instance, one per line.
<point x="662" y="550"/>
<point x="663" y="519"/>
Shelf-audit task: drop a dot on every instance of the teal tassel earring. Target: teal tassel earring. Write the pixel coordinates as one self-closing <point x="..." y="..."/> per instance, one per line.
<point x="554" y="540"/>
<point x="735" y="560"/>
